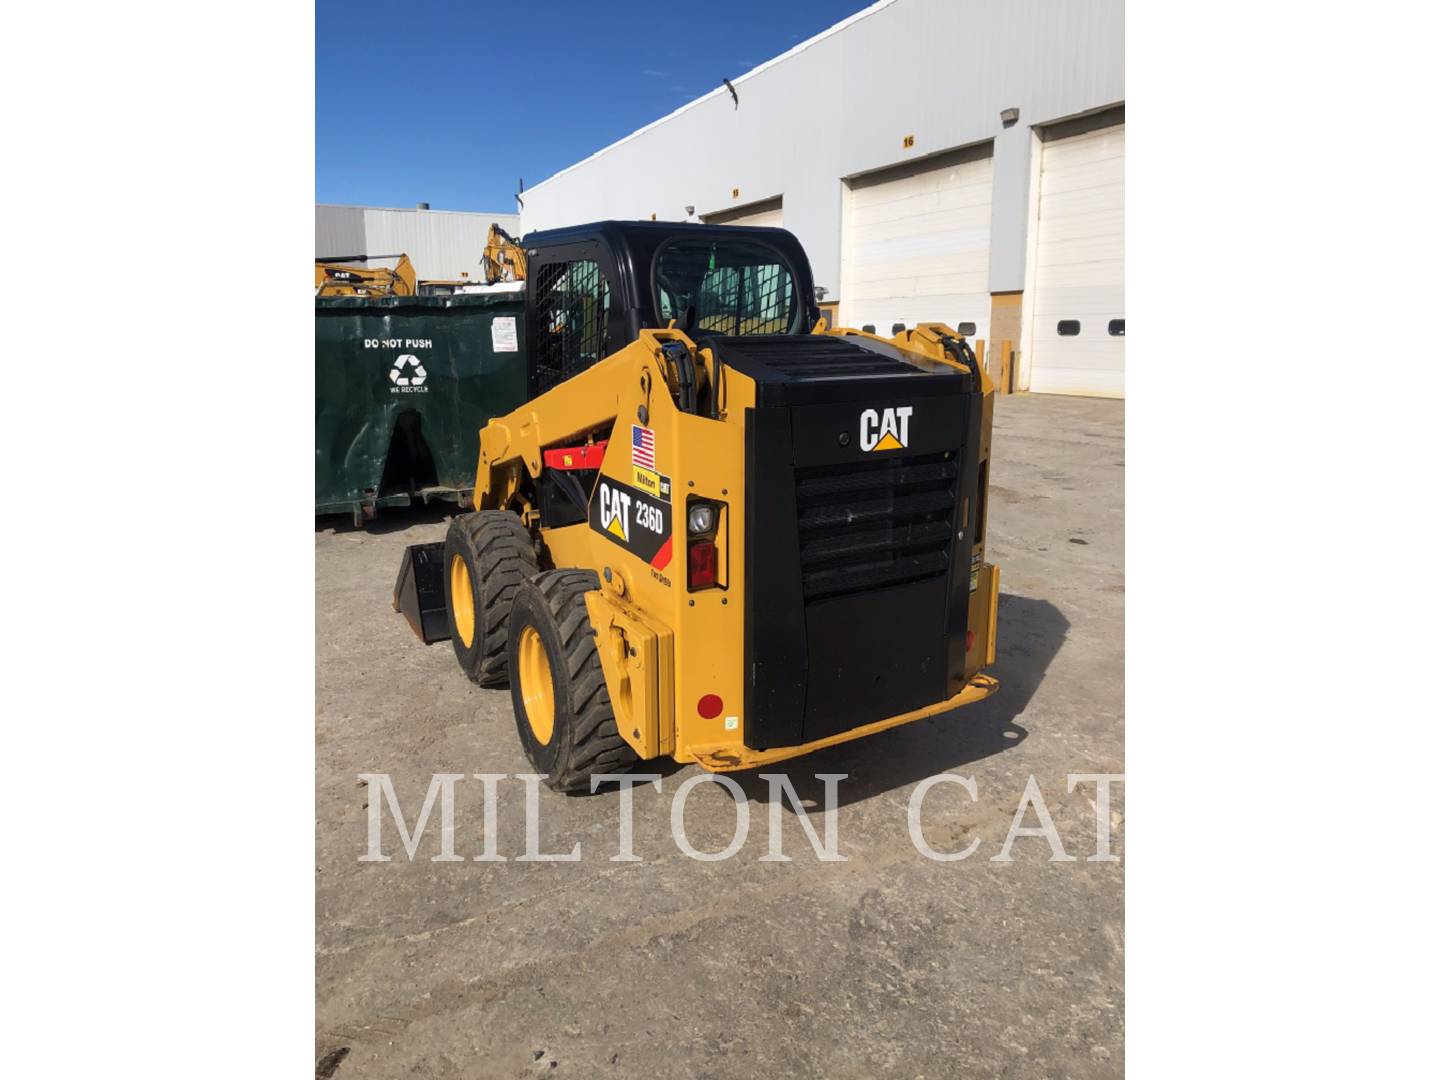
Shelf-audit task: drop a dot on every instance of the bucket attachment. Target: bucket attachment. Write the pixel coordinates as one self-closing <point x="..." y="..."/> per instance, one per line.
<point x="420" y="591"/>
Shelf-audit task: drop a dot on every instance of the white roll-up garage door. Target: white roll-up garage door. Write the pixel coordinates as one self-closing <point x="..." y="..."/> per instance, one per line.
<point x="1077" y="308"/>
<point x="916" y="244"/>
<point x="770" y="213"/>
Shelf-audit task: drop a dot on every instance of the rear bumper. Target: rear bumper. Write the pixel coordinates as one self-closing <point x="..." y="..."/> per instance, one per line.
<point x="729" y="757"/>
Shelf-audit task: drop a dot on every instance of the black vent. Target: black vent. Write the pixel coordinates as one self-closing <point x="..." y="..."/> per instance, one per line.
<point x="870" y="526"/>
<point x="815" y="356"/>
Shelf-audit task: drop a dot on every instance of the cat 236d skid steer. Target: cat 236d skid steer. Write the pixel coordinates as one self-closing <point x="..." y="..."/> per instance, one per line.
<point x="718" y="530"/>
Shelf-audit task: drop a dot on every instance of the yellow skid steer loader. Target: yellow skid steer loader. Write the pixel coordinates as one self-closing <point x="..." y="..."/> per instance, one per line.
<point x="717" y="531"/>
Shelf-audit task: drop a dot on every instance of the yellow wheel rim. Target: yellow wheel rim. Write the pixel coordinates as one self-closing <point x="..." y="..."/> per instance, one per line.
<point x="537" y="688"/>
<point x="462" y="600"/>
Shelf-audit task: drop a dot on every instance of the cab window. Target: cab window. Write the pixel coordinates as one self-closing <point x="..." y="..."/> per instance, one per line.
<point x="726" y="287"/>
<point x="572" y="308"/>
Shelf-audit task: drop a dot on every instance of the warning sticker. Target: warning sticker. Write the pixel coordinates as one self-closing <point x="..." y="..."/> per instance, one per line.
<point x="634" y="520"/>
<point x="502" y="334"/>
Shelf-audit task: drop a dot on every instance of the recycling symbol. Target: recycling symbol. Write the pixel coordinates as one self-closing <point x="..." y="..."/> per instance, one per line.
<point x="397" y="373"/>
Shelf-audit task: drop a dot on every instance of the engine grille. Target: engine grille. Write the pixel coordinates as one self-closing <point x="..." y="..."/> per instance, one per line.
<point x="875" y="525"/>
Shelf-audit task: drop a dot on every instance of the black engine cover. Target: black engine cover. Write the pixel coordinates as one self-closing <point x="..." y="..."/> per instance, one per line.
<point x="860" y="463"/>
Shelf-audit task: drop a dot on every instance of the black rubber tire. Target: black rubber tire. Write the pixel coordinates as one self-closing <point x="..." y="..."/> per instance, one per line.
<point x="499" y="554"/>
<point x="585" y="739"/>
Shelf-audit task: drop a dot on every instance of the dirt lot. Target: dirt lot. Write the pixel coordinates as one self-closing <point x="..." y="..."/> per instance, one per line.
<point x="887" y="964"/>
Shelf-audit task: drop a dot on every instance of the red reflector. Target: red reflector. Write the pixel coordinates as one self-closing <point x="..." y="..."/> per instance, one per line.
<point x="969" y="640"/>
<point x="702" y="564"/>
<point x="576" y="457"/>
<point x="710" y="706"/>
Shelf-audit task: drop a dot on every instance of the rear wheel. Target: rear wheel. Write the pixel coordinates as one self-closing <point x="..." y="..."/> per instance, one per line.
<point x="562" y="708"/>
<point x="487" y="555"/>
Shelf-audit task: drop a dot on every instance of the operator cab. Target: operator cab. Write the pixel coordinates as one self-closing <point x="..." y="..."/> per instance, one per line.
<point x="592" y="288"/>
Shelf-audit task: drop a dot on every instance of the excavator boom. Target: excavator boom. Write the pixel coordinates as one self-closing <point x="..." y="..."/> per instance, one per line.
<point x="504" y="258"/>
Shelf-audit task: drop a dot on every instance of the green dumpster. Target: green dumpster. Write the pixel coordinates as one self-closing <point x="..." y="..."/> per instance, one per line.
<point x="403" y="385"/>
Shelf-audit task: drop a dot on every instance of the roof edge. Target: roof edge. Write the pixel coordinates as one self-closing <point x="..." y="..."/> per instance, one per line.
<point x="414" y="210"/>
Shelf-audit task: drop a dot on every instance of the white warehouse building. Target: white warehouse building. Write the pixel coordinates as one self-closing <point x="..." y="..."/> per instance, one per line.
<point x="958" y="161"/>
<point x="443" y="245"/>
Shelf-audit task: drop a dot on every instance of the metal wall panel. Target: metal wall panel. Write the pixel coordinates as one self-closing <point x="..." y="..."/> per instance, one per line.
<point x="843" y="103"/>
<point x="443" y="245"/>
<point x="339" y="230"/>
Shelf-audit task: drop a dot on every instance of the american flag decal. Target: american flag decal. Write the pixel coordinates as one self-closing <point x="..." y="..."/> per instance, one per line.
<point x="642" y="446"/>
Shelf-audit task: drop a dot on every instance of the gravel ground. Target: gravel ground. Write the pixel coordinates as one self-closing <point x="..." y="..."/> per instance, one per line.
<point x="886" y="964"/>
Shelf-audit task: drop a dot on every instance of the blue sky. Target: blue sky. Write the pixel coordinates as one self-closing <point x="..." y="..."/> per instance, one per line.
<point x="450" y="103"/>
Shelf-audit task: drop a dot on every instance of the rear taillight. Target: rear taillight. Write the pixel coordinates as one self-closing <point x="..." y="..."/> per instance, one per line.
<point x="703" y="563"/>
<point x="702" y="554"/>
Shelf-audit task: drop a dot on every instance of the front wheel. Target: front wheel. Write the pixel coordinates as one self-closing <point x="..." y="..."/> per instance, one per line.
<point x="487" y="555"/>
<point x="562" y="708"/>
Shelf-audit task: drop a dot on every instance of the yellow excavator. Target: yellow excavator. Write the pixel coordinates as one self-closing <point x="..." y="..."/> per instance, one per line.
<point x="718" y="530"/>
<point x="333" y="277"/>
<point x="503" y="258"/>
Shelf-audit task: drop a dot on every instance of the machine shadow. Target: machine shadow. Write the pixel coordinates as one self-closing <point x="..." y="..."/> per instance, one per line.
<point x="1032" y="632"/>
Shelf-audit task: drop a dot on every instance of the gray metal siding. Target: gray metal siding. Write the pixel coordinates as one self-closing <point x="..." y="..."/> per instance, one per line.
<point x="841" y="104"/>
<point x="442" y="244"/>
<point x="339" y="230"/>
